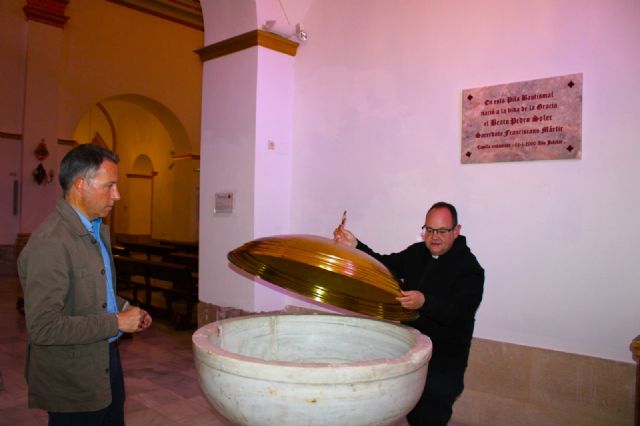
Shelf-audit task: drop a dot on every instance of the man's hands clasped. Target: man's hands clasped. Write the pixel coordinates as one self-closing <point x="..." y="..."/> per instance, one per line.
<point x="133" y="320"/>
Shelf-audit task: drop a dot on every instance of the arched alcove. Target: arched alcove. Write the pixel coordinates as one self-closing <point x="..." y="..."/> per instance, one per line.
<point x="142" y="165"/>
<point x="157" y="167"/>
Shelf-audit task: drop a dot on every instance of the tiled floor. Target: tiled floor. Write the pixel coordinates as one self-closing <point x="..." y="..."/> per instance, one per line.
<point x="160" y="377"/>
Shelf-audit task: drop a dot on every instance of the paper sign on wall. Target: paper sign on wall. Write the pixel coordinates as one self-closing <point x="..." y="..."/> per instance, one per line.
<point x="223" y="203"/>
<point x="529" y="120"/>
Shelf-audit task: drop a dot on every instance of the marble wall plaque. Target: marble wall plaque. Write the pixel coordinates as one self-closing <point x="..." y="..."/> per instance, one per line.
<point x="529" y="120"/>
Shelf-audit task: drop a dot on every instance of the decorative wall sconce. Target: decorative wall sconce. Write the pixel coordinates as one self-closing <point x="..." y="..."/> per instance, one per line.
<point x="41" y="152"/>
<point x="39" y="174"/>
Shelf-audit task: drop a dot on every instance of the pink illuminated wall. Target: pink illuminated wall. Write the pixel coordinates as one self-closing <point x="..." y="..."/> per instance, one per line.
<point x="375" y="125"/>
<point x="377" y="131"/>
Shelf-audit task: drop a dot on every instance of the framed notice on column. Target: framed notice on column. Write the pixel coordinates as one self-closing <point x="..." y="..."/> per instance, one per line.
<point x="223" y="203"/>
<point x="529" y="120"/>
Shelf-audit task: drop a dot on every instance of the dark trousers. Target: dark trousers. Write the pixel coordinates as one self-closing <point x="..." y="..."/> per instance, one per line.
<point x="113" y="415"/>
<point x="436" y="404"/>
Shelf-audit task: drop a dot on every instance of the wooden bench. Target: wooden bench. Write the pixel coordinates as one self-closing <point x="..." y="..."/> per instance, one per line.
<point x="149" y="249"/>
<point x="188" y="259"/>
<point x="190" y="247"/>
<point x="131" y="276"/>
<point x="174" y="284"/>
<point x="120" y="250"/>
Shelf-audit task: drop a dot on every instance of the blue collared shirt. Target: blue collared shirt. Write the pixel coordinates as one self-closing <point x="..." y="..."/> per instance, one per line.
<point x="94" y="228"/>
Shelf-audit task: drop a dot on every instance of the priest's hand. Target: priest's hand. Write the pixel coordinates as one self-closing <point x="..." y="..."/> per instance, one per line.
<point x="344" y="237"/>
<point x="412" y="299"/>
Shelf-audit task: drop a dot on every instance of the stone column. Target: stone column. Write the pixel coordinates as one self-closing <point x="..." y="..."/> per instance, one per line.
<point x="45" y="20"/>
<point x="245" y="148"/>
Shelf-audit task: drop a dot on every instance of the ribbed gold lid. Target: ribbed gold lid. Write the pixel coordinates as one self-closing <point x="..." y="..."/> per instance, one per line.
<point x="326" y="272"/>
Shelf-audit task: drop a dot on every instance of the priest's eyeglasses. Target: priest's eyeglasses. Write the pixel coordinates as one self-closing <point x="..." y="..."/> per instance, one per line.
<point x="432" y="231"/>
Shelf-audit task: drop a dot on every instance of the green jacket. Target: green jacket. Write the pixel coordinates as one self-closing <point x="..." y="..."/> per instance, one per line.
<point x="63" y="278"/>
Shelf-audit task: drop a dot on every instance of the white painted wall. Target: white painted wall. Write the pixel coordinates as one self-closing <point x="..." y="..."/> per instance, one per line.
<point x="246" y="150"/>
<point x="376" y="130"/>
<point x="228" y="164"/>
<point x="272" y="156"/>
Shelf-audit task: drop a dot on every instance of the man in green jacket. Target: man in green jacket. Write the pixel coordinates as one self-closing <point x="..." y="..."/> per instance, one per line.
<point x="73" y="315"/>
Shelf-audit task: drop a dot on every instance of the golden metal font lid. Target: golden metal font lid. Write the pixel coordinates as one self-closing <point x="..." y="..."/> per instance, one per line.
<point x="326" y="272"/>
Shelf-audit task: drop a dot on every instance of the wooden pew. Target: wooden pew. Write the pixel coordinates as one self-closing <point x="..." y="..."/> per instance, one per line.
<point x="132" y="275"/>
<point x="173" y="282"/>
<point x="149" y="249"/>
<point x="120" y="250"/>
<point x="190" y="247"/>
<point x="188" y="259"/>
<point x="177" y="284"/>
